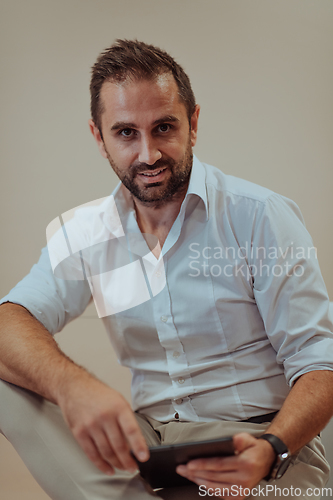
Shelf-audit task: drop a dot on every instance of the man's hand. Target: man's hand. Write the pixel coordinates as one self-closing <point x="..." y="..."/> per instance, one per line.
<point x="253" y="461"/>
<point x="100" y="418"/>
<point x="104" y="425"/>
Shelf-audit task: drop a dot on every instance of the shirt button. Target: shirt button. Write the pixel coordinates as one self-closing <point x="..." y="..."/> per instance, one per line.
<point x="177" y="416"/>
<point x="181" y="380"/>
<point x="176" y="354"/>
<point x="158" y="274"/>
<point x="164" y="319"/>
<point x="179" y="401"/>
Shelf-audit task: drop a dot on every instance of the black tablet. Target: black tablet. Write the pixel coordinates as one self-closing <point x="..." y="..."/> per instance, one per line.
<point x="160" y="470"/>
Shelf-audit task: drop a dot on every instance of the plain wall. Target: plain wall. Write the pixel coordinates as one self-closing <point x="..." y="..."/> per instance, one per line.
<point x="262" y="72"/>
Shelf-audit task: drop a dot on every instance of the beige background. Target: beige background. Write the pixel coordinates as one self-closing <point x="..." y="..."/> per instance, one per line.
<point x="262" y="72"/>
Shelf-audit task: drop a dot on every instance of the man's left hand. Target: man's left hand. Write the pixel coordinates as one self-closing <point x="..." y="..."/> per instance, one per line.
<point x="252" y="461"/>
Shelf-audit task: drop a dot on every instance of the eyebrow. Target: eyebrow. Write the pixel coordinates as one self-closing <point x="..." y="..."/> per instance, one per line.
<point x="123" y="125"/>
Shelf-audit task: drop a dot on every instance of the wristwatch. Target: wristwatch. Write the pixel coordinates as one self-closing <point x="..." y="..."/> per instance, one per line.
<point x="283" y="457"/>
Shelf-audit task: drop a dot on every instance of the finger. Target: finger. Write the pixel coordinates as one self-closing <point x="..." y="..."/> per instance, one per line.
<point x="209" y="475"/>
<point x="217" y="476"/>
<point x="134" y="436"/>
<point x="93" y="454"/>
<point x="121" y="448"/>
<point x="105" y="449"/>
<point x="225" y="464"/>
<point x="242" y="441"/>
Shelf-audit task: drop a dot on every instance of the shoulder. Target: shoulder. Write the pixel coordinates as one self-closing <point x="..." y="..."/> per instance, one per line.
<point x="230" y="186"/>
<point x="92" y="222"/>
<point x="82" y="227"/>
<point x="244" y="204"/>
<point x="232" y="190"/>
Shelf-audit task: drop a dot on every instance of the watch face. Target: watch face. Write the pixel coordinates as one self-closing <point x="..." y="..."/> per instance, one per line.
<point x="282" y="464"/>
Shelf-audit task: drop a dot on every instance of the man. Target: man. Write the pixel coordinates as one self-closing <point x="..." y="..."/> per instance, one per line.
<point x="210" y="353"/>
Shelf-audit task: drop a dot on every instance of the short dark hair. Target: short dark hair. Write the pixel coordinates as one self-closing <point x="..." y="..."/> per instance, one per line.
<point x="136" y="60"/>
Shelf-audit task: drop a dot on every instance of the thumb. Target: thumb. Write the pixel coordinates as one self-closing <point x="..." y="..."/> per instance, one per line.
<point x="243" y="441"/>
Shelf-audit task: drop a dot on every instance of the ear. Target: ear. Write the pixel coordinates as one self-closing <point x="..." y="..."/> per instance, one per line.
<point x="97" y="136"/>
<point x="194" y="125"/>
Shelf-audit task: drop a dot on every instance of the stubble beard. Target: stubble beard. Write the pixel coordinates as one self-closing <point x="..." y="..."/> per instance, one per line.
<point x="157" y="194"/>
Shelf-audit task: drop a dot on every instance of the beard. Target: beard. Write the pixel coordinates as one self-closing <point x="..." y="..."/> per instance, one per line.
<point x="158" y="193"/>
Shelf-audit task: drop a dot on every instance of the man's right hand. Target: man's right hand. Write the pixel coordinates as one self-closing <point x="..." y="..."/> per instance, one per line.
<point x="103" y="423"/>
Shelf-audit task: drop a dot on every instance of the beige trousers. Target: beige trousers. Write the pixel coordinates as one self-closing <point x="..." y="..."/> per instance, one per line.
<point x="36" y="429"/>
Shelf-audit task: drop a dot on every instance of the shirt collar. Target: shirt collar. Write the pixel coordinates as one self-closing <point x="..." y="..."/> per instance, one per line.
<point x="197" y="186"/>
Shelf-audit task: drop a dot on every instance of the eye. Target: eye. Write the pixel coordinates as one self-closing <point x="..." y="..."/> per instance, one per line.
<point x="164" y="127"/>
<point x="126" y="132"/>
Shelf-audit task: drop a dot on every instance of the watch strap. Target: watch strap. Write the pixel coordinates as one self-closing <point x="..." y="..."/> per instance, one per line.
<point x="279" y="447"/>
<point x="277" y="444"/>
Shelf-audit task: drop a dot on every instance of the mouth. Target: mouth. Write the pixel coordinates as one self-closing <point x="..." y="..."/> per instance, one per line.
<point x="153" y="175"/>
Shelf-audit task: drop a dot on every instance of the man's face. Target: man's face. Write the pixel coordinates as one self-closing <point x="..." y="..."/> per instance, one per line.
<point x="147" y="137"/>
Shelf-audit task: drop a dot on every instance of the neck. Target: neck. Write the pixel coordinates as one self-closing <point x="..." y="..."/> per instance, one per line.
<point x="157" y="218"/>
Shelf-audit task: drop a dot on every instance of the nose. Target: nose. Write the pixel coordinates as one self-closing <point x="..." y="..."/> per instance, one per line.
<point x="149" y="152"/>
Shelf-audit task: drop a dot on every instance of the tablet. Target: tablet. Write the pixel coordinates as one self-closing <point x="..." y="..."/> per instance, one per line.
<point x="160" y="470"/>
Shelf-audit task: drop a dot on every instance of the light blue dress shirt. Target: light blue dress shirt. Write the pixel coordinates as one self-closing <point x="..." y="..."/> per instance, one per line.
<point x="241" y="314"/>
